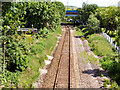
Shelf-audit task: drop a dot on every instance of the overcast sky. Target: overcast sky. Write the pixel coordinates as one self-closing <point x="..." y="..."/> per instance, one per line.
<point x="78" y="3"/>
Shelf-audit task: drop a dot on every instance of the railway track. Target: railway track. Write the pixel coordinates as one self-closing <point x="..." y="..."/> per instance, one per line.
<point x="59" y="73"/>
<point x="70" y="67"/>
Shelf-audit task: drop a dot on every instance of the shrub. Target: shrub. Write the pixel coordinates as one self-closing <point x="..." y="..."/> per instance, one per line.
<point x="17" y="55"/>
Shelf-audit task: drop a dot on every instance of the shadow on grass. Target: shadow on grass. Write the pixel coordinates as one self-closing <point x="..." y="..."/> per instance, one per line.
<point x="96" y="72"/>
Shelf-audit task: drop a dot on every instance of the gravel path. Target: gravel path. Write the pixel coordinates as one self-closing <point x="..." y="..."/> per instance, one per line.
<point x="85" y="72"/>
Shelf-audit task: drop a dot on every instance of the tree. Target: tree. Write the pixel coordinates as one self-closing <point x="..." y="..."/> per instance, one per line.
<point x="15" y="52"/>
<point x="93" y="23"/>
<point x="61" y="9"/>
<point x="108" y="17"/>
<point x="118" y="33"/>
<point x="118" y="36"/>
<point x="85" y="11"/>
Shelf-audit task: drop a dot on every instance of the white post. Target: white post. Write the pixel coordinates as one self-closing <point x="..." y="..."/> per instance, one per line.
<point x="115" y="45"/>
<point x="119" y="51"/>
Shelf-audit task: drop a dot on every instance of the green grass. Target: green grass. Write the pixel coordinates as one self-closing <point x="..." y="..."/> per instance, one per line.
<point x="100" y="45"/>
<point x="78" y="33"/>
<point x="36" y="59"/>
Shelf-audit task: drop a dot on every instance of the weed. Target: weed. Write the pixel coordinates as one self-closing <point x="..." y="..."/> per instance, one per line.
<point x="101" y="74"/>
<point x="114" y="85"/>
<point x="106" y="83"/>
<point x="92" y="59"/>
<point x="80" y="45"/>
<point x="84" y="57"/>
<point x="82" y="38"/>
<point x="66" y="45"/>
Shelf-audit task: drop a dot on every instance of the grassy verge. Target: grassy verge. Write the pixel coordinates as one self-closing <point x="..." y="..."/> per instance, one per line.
<point x="36" y="59"/>
<point x="100" y="45"/>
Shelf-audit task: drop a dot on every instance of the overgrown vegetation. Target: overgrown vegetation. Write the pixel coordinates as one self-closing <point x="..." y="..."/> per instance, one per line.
<point x="36" y="59"/>
<point x="22" y="51"/>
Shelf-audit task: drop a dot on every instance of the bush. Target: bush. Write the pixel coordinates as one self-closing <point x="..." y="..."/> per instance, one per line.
<point x="17" y="55"/>
<point x="112" y="66"/>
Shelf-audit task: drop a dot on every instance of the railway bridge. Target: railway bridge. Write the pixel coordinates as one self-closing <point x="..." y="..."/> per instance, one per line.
<point x="72" y="13"/>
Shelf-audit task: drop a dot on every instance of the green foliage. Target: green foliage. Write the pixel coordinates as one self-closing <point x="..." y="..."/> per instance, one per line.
<point x="77" y="28"/>
<point x="92" y="59"/>
<point x="93" y="23"/>
<point x="10" y="79"/>
<point x="16" y="54"/>
<point x="108" y="17"/>
<point x="114" y="85"/>
<point x="15" y="51"/>
<point x="85" y="11"/>
<point x="106" y="82"/>
<point x="61" y="9"/>
<point x="82" y="26"/>
<point x="43" y="15"/>
<point x="112" y="65"/>
<point x="118" y="36"/>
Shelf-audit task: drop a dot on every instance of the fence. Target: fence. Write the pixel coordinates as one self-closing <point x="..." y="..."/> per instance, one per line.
<point x="111" y="42"/>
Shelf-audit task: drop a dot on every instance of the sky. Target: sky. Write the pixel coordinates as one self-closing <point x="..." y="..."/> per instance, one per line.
<point x="78" y="3"/>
